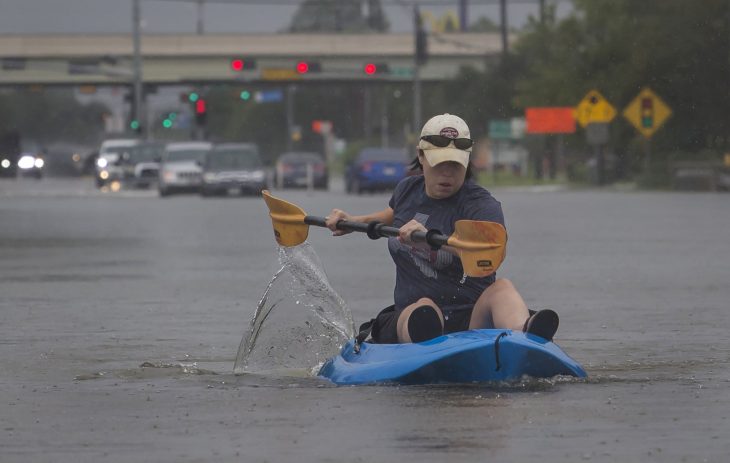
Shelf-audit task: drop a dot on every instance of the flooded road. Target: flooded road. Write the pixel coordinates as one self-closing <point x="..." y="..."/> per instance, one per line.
<point x="121" y="315"/>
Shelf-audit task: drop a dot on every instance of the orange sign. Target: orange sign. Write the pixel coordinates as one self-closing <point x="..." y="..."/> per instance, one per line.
<point x="322" y="127"/>
<point x="550" y="120"/>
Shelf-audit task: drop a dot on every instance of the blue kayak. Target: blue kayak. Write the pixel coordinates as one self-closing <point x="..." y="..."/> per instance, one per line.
<point x="463" y="357"/>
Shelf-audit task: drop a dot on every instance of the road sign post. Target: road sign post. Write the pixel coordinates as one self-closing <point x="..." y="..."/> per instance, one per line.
<point x="594" y="113"/>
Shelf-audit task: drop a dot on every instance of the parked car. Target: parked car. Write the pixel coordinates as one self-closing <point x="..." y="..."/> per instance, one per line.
<point x="142" y="165"/>
<point x="376" y="169"/>
<point x="109" y="164"/>
<point x="180" y="169"/>
<point x="233" y="168"/>
<point x="292" y="170"/>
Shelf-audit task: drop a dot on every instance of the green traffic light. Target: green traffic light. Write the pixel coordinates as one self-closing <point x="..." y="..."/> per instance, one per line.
<point x="193" y="97"/>
<point x="134" y="125"/>
<point x="167" y="123"/>
<point x="245" y="95"/>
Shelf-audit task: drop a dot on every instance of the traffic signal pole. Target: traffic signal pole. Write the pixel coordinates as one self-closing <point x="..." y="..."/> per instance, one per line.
<point x="419" y="57"/>
<point x="138" y="113"/>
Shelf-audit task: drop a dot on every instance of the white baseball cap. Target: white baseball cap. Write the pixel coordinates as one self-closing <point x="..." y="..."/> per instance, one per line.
<point x="449" y="126"/>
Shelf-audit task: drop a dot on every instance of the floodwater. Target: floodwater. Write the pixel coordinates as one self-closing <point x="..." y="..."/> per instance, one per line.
<point x="121" y="316"/>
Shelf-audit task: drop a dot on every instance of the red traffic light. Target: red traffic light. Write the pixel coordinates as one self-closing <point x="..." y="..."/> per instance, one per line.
<point x="200" y="106"/>
<point x="243" y="64"/>
<point x="304" y="67"/>
<point x="372" y="69"/>
<point x="237" y="64"/>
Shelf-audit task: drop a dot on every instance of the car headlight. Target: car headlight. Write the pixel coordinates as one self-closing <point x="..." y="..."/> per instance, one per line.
<point x="101" y="162"/>
<point x="5" y="163"/>
<point x="26" y="162"/>
<point x="39" y="163"/>
<point x="168" y="175"/>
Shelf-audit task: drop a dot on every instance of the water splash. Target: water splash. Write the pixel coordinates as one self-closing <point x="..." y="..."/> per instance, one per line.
<point x="300" y="320"/>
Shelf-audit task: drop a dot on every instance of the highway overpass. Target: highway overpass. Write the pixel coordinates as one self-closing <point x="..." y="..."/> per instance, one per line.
<point x="196" y="59"/>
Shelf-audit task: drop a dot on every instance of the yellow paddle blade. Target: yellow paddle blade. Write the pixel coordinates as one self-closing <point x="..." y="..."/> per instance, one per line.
<point x="481" y="246"/>
<point x="288" y="221"/>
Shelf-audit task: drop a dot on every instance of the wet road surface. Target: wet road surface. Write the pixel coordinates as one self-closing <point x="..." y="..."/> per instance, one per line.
<point x="121" y="314"/>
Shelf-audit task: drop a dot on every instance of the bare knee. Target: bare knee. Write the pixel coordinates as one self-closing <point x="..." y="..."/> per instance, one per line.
<point x="423" y="301"/>
<point x="501" y="284"/>
<point x="500" y="305"/>
<point x="402" y="323"/>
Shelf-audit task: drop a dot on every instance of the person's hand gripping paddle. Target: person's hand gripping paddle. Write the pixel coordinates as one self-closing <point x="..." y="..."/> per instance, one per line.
<point x="481" y="245"/>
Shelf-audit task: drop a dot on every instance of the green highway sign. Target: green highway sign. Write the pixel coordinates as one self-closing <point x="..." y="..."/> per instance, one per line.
<point x="507" y="129"/>
<point x="401" y="72"/>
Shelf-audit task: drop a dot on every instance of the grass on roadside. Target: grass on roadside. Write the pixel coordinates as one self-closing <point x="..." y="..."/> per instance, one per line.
<point x="506" y="178"/>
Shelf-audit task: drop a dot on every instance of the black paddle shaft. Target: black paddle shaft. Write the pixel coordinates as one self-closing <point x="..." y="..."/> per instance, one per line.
<point x="377" y="230"/>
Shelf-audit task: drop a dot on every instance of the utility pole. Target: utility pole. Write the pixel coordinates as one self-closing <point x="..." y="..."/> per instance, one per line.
<point x="138" y="113"/>
<point x="420" y="57"/>
<point x="200" y="18"/>
<point x="289" y="116"/>
<point x="463" y="15"/>
<point x="503" y="21"/>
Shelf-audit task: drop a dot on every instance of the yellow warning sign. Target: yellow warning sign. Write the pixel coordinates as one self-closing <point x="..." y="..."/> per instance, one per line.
<point x="280" y="74"/>
<point x="647" y="112"/>
<point x="594" y="108"/>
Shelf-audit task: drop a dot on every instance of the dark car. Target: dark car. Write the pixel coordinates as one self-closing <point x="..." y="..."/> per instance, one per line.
<point x="142" y="164"/>
<point x="294" y="168"/>
<point x="376" y="169"/>
<point x="233" y="168"/>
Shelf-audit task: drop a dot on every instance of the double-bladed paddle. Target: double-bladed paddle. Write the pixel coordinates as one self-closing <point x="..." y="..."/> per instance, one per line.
<point x="481" y="245"/>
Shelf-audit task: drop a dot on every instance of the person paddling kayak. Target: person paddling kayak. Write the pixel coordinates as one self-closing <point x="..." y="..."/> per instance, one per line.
<point x="433" y="295"/>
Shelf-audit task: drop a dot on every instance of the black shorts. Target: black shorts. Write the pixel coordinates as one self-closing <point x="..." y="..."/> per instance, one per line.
<point x="384" y="331"/>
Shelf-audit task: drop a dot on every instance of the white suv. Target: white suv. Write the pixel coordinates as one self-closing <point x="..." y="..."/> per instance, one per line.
<point x="111" y="155"/>
<point x="180" y="169"/>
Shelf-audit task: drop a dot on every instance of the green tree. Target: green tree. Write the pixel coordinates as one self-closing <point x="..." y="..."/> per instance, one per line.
<point x="680" y="49"/>
<point x="339" y="16"/>
<point x="50" y="115"/>
<point x="484" y="24"/>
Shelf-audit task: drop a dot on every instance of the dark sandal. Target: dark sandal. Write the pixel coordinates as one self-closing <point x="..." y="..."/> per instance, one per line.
<point x="543" y="323"/>
<point x="424" y="324"/>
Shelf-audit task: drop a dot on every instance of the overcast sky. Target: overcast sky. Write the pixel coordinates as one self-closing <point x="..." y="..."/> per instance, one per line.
<point x="170" y="16"/>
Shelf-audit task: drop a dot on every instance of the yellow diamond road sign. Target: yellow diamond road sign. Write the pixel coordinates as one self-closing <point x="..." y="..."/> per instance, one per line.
<point x="647" y="112"/>
<point x="593" y="108"/>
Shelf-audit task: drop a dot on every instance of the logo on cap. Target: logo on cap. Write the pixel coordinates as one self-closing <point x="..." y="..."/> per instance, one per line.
<point x="449" y="132"/>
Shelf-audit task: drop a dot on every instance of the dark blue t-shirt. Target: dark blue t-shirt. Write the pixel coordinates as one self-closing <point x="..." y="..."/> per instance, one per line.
<point x="438" y="275"/>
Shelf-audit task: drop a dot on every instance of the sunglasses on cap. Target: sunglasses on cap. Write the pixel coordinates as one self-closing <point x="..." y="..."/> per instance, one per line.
<point x="441" y="141"/>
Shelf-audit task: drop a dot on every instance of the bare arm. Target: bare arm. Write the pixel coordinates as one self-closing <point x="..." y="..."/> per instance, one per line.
<point x="385" y="216"/>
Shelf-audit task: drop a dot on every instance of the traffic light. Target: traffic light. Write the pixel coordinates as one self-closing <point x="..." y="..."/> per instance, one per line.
<point x="193" y="97"/>
<point x="647" y="113"/>
<point x="239" y="64"/>
<point x="375" y="68"/>
<point x="201" y="111"/>
<point x="245" y="95"/>
<point x="304" y="67"/>
<point x="134" y="125"/>
<point x="421" y="38"/>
